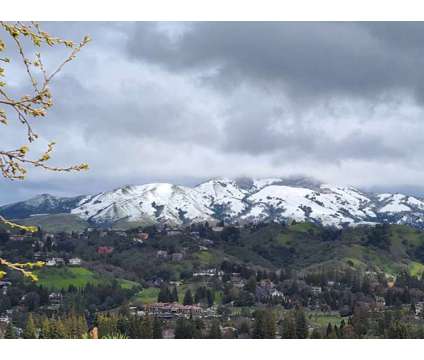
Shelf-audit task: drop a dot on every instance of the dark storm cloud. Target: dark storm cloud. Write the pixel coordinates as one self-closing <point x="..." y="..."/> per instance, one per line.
<point x="311" y="59"/>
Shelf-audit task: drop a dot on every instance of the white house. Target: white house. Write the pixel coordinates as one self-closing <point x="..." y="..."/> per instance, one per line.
<point x="75" y="261"/>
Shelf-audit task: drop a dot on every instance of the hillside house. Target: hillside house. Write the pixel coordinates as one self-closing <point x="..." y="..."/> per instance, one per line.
<point x="217" y="228"/>
<point x="419" y="308"/>
<point x="316" y="290"/>
<point x="55" y="262"/>
<point x="75" y="261"/>
<point x="4" y="285"/>
<point x="172" y="309"/>
<point x="55" y="301"/>
<point x="206" y="273"/>
<point x="104" y="250"/>
<point x="162" y="254"/>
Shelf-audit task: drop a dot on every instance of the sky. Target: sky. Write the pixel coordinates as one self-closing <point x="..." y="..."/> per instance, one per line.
<point x="184" y="102"/>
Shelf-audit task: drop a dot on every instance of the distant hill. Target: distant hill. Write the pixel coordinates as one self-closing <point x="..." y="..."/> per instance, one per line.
<point x="232" y="201"/>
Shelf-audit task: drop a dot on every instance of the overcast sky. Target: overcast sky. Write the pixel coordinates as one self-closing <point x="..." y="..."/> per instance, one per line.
<point x="183" y="102"/>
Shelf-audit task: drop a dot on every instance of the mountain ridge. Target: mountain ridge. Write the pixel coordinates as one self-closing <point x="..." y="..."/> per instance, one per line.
<point x="232" y="201"/>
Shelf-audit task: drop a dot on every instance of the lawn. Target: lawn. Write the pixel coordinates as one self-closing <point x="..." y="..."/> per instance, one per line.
<point x="57" y="278"/>
<point x="148" y="295"/>
<point x="322" y="319"/>
<point x="416" y="269"/>
<point x="127" y="284"/>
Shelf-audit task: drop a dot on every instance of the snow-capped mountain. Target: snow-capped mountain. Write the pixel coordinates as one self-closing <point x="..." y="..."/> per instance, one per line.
<point x="241" y="200"/>
<point x="41" y="204"/>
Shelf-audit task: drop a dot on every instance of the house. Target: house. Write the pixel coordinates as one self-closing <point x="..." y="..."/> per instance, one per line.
<point x="162" y="254"/>
<point x="177" y="256"/>
<point x="419" y="308"/>
<point x="55" y="300"/>
<point x="217" y="228"/>
<point x="172" y="309"/>
<point x="55" y="262"/>
<point x="51" y="262"/>
<point x="316" y="290"/>
<point x="75" y="261"/>
<point x="380" y="303"/>
<point x="141" y="237"/>
<point x="17" y="237"/>
<point x="104" y="250"/>
<point x="277" y="293"/>
<point x="206" y="273"/>
<point x="4" y="285"/>
<point x="207" y="242"/>
<point x="4" y="319"/>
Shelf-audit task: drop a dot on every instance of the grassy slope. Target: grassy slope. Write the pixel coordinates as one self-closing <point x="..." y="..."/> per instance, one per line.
<point x="302" y="246"/>
<point x="62" y="277"/>
<point x="56" y="222"/>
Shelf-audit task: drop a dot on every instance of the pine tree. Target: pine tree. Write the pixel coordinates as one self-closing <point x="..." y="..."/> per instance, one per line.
<point x="188" y="298"/>
<point x="157" y="329"/>
<point x="45" y="328"/>
<point x="330" y="332"/>
<point x="270" y="325"/>
<point x="244" y="328"/>
<point x="315" y="334"/>
<point x="259" y="325"/>
<point x="57" y="330"/>
<point x="29" y="331"/>
<point x="10" y="331"/>
<point x="146" y="328"/>
<point x="210" y="297"/>
<point x="288" y="330"/>
<point x="174" y="294"/>
<point x="301" y="324"/>
<point x="215" y="330"/>
<point x="164" y="295"/>
<point x="183" y="329"/>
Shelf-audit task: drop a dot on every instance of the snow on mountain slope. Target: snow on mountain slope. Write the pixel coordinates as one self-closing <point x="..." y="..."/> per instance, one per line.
<point x="224" y="196"/>
<point x="151" y="202"/>
<point x="233" y="201"/>
<point x="395" y="203"/>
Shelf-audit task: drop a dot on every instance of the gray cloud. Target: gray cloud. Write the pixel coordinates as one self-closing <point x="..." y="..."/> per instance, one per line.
<point x="312" y="59"/>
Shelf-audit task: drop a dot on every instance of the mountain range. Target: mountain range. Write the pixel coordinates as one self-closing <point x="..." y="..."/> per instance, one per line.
<point x="232" y="201"/>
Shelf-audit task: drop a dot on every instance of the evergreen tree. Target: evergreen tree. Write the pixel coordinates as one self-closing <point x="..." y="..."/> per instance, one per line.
<point x="301" y="324"/>
<point x="29" y="331"/>
<point x="10" y="331"/>
<point x="57" y="330"/>
<point x="210" y="297"/>
<point x="183" y="329"/>
<point x="174" y="294"/>
<point x="244" y="328"/>
<point x="215" y="330"/>
<point x="315" y="334"/>
<point x="164" y="295"/>
<point x="188" y="298"/>
<point x="45" y="328"/>
<point x="259" y="325"/>
<point x="288" y="329"/>
<point x="157" y="329"/>
<point x="329" y="330"/>
<point x="270" y="325"/>
<point x="146" y="328"/>
<point x="251" y="284"/>
<point x="135" y="327"/>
